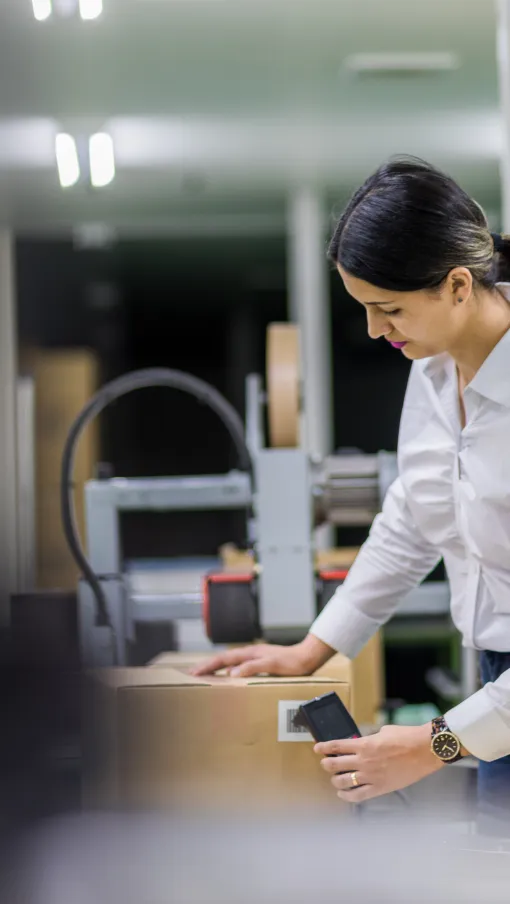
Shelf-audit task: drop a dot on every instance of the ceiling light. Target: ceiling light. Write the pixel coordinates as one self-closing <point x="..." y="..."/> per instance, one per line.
<point x="42" y="9"/>
<point x="90" y="9"/>
<point x="67" y="160"/>
<point x="402" y="62"/>
<point x="102" y="159"/>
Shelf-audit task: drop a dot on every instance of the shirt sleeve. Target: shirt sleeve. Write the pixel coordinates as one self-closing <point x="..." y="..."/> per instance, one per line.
<point x="393" y="561"/>
<point x="482" y="722"/>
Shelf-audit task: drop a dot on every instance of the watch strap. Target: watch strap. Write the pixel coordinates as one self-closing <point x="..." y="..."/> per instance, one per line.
<point x="439" y="725"/>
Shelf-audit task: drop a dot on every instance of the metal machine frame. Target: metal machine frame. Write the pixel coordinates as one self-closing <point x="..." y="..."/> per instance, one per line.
<point x="105" y="500"/>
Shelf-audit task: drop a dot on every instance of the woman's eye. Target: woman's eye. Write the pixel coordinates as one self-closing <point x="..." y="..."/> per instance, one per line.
<point x="392" y="313"/>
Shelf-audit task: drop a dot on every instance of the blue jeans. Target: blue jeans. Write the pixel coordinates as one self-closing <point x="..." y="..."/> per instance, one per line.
<point x="494" y="778"/>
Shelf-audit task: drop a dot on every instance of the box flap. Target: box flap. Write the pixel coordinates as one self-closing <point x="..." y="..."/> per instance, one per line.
<point x="338" y="666"/>
<point x="183" y="662"/>
<point x="306" y="680"/>
<point x="177" y="659"/>
<point x="143" y="677"/>
<point x="117" y="678"/>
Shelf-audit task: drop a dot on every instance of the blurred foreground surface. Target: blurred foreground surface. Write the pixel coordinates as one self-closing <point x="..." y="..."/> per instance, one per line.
<point x="222" y="858"/>
<point x="424" y="852"/>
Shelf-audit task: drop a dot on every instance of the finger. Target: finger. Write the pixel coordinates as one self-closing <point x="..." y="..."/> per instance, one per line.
<point x="254" y="667"/>
<point x="344" y="782"/>
<point x="336" y="764"/>
<point x="340" y="747"/>
<point x="358" y="795"/>
<point x="209" y="667"/>
<point x="225" y="660"/>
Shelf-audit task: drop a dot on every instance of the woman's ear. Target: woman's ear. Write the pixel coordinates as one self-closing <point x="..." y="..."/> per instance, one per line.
<point x="460" y="283"/>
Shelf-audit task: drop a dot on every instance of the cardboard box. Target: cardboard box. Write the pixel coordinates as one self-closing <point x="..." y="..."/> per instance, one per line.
<point x="158" y="737"/>
<point x="364" y="675"/>
<point x="65" y="380"/>
<point x="340" y="557"/>
<point x="238" y="560"/>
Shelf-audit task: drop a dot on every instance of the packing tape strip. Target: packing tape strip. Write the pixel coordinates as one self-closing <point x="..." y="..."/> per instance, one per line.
<point x="283" y="384"/>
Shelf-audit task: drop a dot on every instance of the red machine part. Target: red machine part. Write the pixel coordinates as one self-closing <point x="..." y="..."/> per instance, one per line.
<point x="229" y="607"/>
<point x="230" y="604"/>
<point x="333" y="575"/>
<point x="329" y="580"/>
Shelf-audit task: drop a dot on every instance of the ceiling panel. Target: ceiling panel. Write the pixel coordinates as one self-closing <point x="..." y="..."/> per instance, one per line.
<point x="210" y="99"/>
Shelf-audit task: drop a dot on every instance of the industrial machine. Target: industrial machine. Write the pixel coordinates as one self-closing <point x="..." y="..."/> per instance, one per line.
<point x="285" y="495"/>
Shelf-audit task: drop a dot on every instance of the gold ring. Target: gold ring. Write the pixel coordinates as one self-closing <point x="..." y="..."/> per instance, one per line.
<point x="354" y="780"/>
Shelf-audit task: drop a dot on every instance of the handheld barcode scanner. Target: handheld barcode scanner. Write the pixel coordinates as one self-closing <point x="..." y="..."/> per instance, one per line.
<point x="327" y="719"/>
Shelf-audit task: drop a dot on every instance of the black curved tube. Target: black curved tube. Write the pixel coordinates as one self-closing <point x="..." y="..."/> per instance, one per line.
<point x="141" y="379"/>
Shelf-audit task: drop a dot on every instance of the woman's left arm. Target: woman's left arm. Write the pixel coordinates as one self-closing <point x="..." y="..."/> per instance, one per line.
<point x="482" y="722"/>
<point x="395" y="757"/>
<point x="398" y="756"/>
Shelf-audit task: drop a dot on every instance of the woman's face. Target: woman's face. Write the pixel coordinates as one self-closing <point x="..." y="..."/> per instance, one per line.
<point x="427" y="324"/>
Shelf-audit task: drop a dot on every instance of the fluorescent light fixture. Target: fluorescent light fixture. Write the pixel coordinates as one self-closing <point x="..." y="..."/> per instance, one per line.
<point x="42" y="9"/>
<point x="90" y="9"/>
<point x="67" y="160"/>
<point x="102" y="159"/>
<point x="402" y="62"/>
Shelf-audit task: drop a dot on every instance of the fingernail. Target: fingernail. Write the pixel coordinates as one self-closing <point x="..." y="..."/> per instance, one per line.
<point x="235" y="672"/>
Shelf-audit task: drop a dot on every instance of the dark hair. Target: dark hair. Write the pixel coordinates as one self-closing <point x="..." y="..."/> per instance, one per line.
<point x="409" y="225"/>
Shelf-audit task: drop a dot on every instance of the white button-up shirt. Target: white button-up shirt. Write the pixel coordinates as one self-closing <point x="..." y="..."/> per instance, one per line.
<point x="451" y="501"/>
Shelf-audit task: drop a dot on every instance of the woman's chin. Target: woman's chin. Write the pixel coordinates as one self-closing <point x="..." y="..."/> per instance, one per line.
<point x="415" y="352"/>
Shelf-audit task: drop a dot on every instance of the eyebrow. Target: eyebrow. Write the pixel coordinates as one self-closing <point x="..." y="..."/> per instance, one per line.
<point x="379" y="302"/>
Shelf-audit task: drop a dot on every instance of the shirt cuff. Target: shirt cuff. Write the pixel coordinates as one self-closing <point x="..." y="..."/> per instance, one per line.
<point x="479" y="727"/>
<point x="344" y="628"/>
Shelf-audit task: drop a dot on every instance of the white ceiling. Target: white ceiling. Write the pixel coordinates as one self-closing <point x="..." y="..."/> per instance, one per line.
<point x="219" y="107"/>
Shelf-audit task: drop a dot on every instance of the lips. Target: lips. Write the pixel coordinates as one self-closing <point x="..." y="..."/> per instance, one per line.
<point x="398" y="344"/>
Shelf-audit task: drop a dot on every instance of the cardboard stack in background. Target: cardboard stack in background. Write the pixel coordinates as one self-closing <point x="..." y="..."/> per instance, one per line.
<point x="158" y="737"/>
<point x="64" y="381"/>
<point x="240" y="560"/>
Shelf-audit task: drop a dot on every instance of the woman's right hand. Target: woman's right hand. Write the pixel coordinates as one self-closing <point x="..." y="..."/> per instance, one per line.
<point x="269" y="659"/>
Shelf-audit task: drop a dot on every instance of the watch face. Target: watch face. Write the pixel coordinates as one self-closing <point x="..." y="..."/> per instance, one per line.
<point x="445" y="746"/>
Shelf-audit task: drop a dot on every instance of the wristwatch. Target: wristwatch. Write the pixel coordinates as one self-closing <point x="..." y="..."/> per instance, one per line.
<point x="444" y="744"/>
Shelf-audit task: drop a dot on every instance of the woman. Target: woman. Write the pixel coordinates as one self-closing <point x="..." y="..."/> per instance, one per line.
<point x="416" y="252"/>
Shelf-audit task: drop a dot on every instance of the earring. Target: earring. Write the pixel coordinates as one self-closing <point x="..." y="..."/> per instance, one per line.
<point x="459" y="300"/>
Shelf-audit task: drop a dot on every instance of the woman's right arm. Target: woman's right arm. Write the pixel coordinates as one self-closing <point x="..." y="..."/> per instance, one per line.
<point x="394" y="560"/>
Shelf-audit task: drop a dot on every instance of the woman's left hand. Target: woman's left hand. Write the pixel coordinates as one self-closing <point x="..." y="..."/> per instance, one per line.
<point x="393" y="758"/>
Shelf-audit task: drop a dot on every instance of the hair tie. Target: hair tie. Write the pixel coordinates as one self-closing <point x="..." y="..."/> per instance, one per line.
<point x="498" y="240"/>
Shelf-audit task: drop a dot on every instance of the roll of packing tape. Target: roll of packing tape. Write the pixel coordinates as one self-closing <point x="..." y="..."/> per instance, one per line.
<point x="283" y="384"/>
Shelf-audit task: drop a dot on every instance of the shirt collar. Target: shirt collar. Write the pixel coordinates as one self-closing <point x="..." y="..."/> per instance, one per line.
<point x="493" y="379"/>
<point x="436" y="365"/>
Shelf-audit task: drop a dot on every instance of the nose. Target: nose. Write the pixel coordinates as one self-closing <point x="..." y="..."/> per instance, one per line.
<point x="377" y="324"/>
